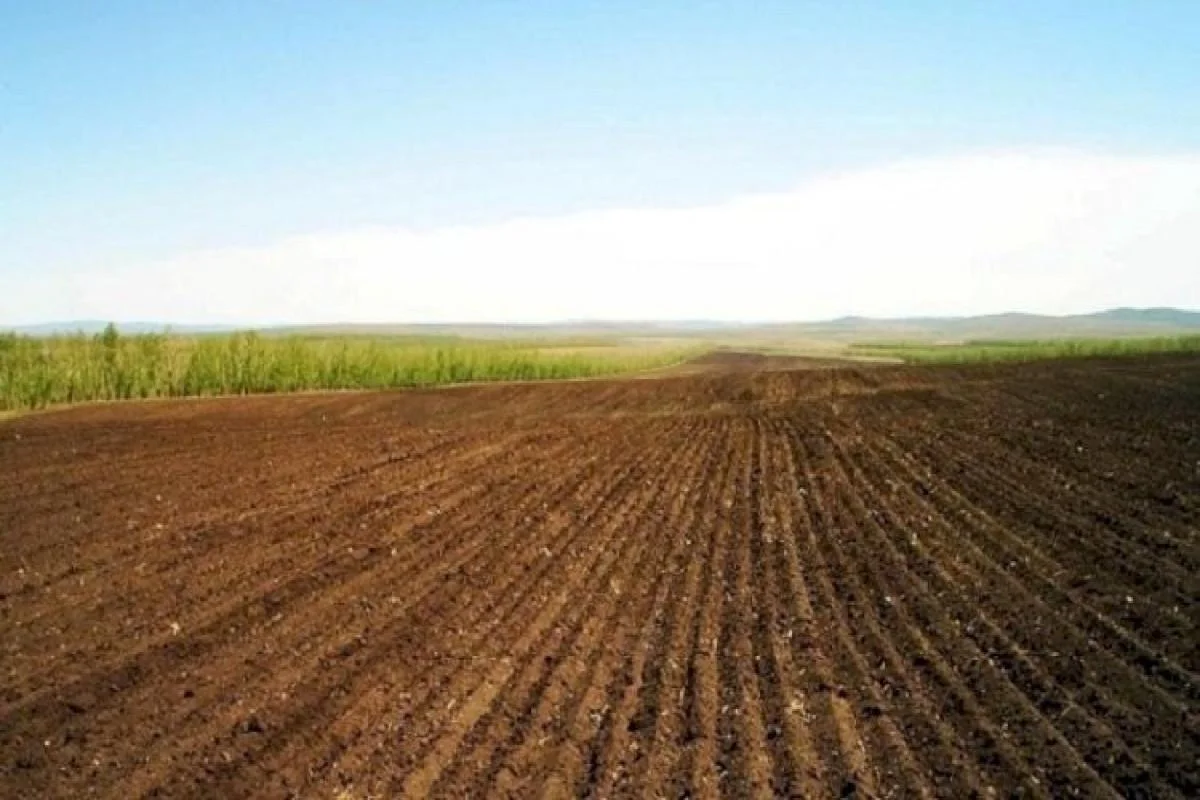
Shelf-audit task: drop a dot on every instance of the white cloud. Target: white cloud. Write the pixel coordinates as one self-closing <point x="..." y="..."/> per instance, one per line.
<point x="1053" y="232"/>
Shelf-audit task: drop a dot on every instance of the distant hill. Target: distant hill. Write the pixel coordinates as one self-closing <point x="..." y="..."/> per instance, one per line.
<point x="93" y="326"/>
<point x="1156" y="316"/>
<point x="1113" y="322"/>
<point x="486" y="330"/>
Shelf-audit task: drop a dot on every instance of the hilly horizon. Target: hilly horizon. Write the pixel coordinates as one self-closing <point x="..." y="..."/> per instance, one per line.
<point x="1108" y="322"/>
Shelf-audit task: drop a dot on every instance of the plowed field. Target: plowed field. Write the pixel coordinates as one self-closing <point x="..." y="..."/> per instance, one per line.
<point x="750" y="582"/>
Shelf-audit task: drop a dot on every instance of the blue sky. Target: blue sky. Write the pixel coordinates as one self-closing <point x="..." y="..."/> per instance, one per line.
<point x="139" y="135"/>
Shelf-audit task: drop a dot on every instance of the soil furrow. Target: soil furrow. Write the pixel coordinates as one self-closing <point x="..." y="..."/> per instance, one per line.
<point x="539" y="693"/>
<point x="1038" y="658"/>
<point x="910" y="602"/>
<point x="758" y="576"/>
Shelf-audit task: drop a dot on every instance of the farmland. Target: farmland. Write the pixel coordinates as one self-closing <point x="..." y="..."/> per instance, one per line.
<point x="759" y="577"/>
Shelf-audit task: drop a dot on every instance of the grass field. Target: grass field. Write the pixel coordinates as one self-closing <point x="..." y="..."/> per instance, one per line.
<point x="992" y="350"/>
<point x="38" y="372"/>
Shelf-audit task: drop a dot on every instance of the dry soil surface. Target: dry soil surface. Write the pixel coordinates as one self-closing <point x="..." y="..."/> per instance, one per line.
<point x="749" y="582"/>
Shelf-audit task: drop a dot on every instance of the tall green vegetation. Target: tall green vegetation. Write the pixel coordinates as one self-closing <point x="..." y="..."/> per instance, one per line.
<point x="995" y="350"/>
<point x="37" y="372"/>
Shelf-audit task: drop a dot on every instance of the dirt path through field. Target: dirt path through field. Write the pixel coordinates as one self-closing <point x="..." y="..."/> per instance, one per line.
<point x="757" y="579"/>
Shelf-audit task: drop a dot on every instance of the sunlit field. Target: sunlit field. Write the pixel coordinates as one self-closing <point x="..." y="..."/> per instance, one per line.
<point x="39" y="372"/>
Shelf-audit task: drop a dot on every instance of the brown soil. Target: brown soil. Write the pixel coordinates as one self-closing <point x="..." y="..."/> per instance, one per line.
<point x="744" y="361"/>
<point x="751" y="582"/>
